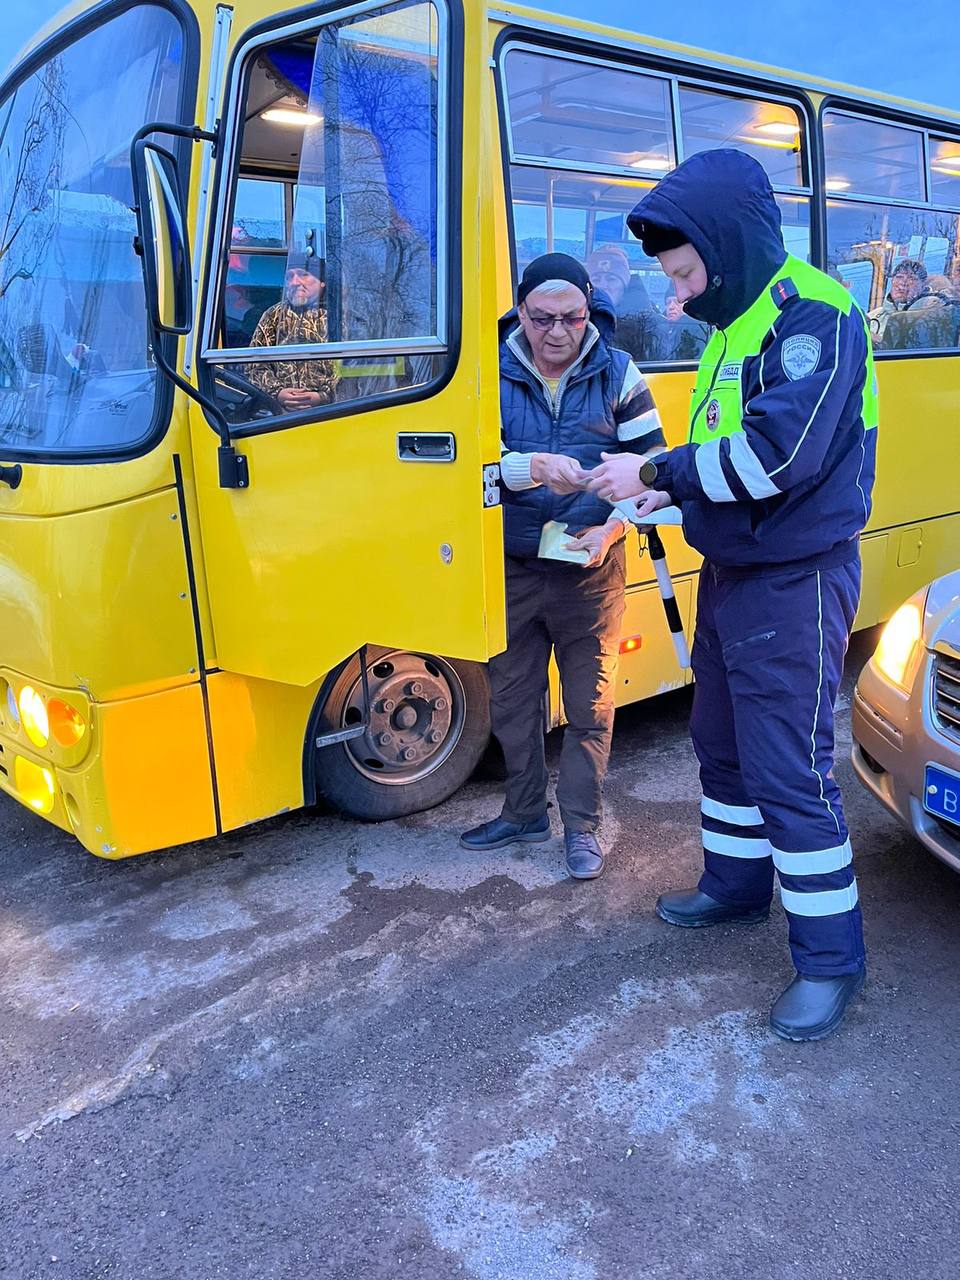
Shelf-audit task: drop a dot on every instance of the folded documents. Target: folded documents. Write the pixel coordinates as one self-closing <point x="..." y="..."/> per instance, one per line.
<point x="553" y="544"/>
<point x="666" y="515"/>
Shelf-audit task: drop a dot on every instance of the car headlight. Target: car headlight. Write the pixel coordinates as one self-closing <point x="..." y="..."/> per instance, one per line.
<point x="900" y="643"/>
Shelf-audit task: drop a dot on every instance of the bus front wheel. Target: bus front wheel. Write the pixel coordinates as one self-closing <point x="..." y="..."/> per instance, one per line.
<point x="429" y="725"/>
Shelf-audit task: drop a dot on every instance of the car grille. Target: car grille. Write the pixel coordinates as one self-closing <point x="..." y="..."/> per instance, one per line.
<point x="946" y="694"/>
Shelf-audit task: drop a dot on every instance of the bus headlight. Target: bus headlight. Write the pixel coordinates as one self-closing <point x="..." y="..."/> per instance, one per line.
<point x="33" y="715"/>
<point x="900" y="644"/>
<point x="34" y="784"/>
<point x="10" y="702"/>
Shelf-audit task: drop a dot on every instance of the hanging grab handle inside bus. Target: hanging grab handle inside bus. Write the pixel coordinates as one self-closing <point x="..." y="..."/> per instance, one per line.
<point x="164" y="249"/>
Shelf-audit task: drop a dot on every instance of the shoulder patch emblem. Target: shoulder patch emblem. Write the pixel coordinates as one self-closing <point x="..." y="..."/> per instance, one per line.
<point x="800" y="355"/>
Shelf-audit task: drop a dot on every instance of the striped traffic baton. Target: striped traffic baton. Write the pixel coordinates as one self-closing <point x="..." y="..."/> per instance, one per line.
<point x="664" y="582"/>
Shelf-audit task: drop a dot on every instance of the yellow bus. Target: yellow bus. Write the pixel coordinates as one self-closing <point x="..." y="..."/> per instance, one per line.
<point x="241" y="573"/>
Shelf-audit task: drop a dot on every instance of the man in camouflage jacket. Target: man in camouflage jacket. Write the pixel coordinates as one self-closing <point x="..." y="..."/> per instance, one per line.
<point x="298" y="318"/>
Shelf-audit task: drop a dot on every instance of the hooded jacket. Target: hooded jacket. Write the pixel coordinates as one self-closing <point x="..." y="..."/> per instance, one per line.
<point x="602" y="405"/>
<point x="790" y="481"/>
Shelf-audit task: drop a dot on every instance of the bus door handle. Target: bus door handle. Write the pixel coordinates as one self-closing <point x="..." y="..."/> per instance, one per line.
<point x="426" y="446"/>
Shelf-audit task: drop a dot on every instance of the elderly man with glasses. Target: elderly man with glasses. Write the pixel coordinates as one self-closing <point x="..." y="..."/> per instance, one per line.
<point x="569" y="399"/>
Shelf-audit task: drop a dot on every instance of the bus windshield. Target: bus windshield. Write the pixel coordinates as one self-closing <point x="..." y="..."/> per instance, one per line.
<point x="76" y="373"/>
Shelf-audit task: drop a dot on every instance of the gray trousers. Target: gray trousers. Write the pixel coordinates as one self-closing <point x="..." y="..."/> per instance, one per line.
<point x="576" y="612"/>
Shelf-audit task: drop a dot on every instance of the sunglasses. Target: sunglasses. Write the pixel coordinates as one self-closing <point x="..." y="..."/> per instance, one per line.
<point x="545" y="323"/>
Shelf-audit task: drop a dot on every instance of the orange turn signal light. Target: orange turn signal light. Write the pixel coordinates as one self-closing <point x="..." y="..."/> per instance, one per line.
<point x="66" y="723"/>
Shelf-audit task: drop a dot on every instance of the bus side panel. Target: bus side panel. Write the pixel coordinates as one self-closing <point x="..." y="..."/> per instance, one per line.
<point x="652" y="666"/>
<point x="258" y="728"/>
<point x="149" y="787"/>
<point x="916" y="460"/>
<point x="99" y="600"/>
<point x="901" y="561"/>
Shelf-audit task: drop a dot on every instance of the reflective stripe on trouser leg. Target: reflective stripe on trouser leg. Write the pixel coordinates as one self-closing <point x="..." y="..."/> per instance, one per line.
<point x="738" y="869"/>
<point x="784" y="638"/>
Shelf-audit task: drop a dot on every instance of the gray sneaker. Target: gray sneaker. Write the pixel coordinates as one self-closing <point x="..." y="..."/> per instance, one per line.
<point x="584" y="856"/>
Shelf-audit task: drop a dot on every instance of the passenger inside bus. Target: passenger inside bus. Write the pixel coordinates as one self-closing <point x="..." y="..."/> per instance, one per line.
<point x="304" y="269"/>
<point x="914" y="313"/>
<point x="298" y="319"/>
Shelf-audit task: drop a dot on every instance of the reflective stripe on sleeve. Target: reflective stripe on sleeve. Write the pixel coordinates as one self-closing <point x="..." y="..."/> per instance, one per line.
<point x="736" y="846"/>
<point x="831" y="902"/>
<point x="738" y="815"/>
<point x="750" y="469"/>
<point x="707" y="459"/>
<point x="817" y="862"/>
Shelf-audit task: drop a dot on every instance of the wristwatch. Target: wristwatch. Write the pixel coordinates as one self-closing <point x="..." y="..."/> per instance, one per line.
<point x="648" y="473"/>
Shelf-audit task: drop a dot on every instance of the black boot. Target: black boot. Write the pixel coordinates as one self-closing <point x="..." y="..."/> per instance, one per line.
<point x="499" y="833"/>
<point x="811" y="1008"/>
<point x="691" y="909"/>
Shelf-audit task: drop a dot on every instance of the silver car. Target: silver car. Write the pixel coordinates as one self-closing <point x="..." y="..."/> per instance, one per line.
<point x="906" y="718"/>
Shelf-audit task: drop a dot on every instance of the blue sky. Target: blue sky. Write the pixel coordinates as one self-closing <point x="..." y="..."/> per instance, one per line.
<point x="907" y="49"/>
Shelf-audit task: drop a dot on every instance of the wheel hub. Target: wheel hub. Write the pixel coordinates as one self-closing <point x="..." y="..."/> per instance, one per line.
<point x="416" y="715"/>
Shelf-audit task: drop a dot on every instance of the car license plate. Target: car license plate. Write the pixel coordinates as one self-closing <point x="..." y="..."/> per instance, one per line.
<point x="941" y="793"/>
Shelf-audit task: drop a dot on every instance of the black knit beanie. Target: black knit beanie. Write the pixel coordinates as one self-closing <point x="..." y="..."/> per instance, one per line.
<point x="297" y="260"/>
<point x="553" y="266"/>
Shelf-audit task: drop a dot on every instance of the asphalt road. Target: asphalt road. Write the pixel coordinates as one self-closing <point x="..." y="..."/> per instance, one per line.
<point x="320" y="1049"/>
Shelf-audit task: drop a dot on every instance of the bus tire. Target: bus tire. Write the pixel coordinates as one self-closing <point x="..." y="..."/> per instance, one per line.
<point x="429" y="726"/>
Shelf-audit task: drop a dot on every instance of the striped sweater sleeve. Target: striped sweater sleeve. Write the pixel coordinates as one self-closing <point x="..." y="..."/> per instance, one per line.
<point x="639" y="429"/>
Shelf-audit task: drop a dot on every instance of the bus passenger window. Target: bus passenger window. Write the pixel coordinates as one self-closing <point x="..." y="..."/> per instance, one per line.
<point x="585" y="215"/>
<point x="901" y="261"/>
<point x="586" y="113"/>
<point x="945" y="170"/>
<point x="770" y="132"/>
<point x="902" y="266"/>
<point x="589" y="137"/>
<point x="335" y="227"/>
<point x="872" y="159"/>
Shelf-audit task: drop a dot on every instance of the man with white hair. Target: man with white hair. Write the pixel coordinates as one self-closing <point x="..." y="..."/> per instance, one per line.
<point x="567" y="399"/>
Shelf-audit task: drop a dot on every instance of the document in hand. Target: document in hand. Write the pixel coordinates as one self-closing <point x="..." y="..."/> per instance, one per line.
<point x="666" y="515"/>
<point x="553" y="544"/>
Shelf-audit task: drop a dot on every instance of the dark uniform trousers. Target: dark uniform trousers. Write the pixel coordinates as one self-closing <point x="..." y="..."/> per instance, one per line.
<point x="768" y="658"/>
<point x="577" y="612"/>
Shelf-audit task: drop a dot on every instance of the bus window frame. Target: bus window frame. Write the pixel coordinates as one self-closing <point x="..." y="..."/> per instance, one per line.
<point x="551" y="40"/>
<point x="676" y="81"/>
<point x="871" y="118"/>
<point x="938" y="135"/>
<point x="450" y="171"/>
<point x="609" y="64"/>
<point x="182" y="149"/>
<point x="881" y="115"/>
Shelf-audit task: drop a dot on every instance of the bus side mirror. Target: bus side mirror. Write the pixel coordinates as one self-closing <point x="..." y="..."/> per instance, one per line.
<point x="162" y="238"/>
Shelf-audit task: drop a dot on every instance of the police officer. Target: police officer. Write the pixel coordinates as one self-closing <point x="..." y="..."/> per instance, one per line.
<point x="775" y="487"/>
